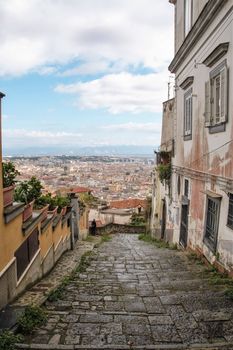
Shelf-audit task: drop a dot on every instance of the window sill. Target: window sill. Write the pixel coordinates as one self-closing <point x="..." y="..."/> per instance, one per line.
<point x="231" y="227"/>
<point x="187" y="137"/>
<point x="214" y="129"/>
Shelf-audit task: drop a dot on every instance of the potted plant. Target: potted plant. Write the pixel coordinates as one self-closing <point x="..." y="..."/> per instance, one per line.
<point x="48" y="200"/>
<point x="45" y="205"/>
<point x="28" y="192"/>
<point x="9" y="174"/>
<point x="62" y="203"/>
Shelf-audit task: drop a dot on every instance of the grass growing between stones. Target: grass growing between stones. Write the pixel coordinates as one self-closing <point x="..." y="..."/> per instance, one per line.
<point x="157" y="242"/>
<point x="8" y="340"/>
<point x="89" y="239"/>
<point x="33" y="316"/>
<point x="58" y="293"/>
<point x="105" y="238"/>
<point x="214" y="276"/>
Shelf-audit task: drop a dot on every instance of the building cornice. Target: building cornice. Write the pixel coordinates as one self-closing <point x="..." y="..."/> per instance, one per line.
<point x="208" y="14"/>
<point x="216" y="54"/>
<point x="187" y="82"/>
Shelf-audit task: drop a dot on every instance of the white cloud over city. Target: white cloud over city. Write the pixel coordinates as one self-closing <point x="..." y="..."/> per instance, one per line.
<point x="43" y="33"/>
<point x="88" y="59"/>
<point x="118" y="93"/>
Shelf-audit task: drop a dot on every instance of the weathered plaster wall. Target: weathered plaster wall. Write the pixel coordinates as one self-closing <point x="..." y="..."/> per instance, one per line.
<point x="205" y="153"/>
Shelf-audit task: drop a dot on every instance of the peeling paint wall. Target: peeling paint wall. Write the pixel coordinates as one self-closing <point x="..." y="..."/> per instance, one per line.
<point x="206" y="160"/>
<point x="161" y="190"/>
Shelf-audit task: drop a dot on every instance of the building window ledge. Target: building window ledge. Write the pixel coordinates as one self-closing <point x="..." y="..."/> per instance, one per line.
<point x="187" y="82"/>
<point x="216" y="54"/>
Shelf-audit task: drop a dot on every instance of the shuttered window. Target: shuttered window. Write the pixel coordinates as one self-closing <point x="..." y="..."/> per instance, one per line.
<point x="188" y="4"/>
<point x="230" y="211"/>
<point x="212" y="222"/>
<point x="216" y="93"/>
<point x="188" y="111"/>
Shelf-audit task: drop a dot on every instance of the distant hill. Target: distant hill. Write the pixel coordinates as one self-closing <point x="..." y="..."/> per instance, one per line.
<point x="82" y="151"/>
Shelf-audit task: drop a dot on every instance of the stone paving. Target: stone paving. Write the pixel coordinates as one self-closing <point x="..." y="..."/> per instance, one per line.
<point x="136" y="296"/>
<point x="37" y="295"/>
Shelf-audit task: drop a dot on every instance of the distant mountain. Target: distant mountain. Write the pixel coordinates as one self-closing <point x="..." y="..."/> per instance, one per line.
<point x="81" y="151"/>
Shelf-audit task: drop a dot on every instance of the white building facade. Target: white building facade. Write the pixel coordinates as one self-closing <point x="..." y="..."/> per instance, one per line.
<point x="202" y="163"/>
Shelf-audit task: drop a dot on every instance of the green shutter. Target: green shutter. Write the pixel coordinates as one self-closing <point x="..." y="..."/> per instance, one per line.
<point x="207" y="104"/>
<point x="223" y="107"/>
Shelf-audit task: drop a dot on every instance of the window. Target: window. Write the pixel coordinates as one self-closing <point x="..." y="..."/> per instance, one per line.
<point x="186" y="188"/>
<point x="178" y="185"/>
<point x="212" y="220"/>
<point x="216" y="97"/>
<point x="230" y="211"/>
<point x="188" y="5"/>
<point x="188" y="107"/>
<point x="25" y="253"/>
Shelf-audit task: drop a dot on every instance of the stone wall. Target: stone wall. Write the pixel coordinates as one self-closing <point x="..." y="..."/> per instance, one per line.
<point x="117" y="228"/>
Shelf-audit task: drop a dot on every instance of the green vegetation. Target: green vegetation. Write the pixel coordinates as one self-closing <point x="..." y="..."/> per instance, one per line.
<point x="89" y="239"/>
<point x="58" y="293"/>
<point x="57" y="201"/>
<point x="165" y="171"/>
<point x="8" y="340"/>
<point x="214" y="276"/>
<point x="137" y="220"/>
<point x="9" y="174"/>
<point x="88" y="199"/>
<point x="157" y="242"/>
<point x="27" y="191"/>
<point x="105" y="238"/>
<point x="30" y="190"/>
<point x="32" y="317"/>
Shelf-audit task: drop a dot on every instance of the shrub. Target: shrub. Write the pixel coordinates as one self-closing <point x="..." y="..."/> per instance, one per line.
<point x="27" y="191"/>
<point x="9" y="174"/>
<point x="32" y="317"/>
<point x="8" y="340"/>
<point x="164" y="171"/>
<point x="57" y="201"/>
<point x="61" y="202"/>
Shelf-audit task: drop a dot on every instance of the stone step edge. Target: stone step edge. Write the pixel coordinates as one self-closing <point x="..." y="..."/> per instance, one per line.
<point x="214" y="346"/>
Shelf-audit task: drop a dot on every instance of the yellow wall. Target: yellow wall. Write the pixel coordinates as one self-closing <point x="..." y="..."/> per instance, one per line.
<point x="46" y="240"/>
<point x="65" y="230"/>
<point x="11" y="238"/>
<point x="83" y="220"/>
<point x="57" y="234"/>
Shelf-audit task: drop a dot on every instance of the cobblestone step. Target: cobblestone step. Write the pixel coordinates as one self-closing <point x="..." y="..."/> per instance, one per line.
<point x="125" y="300"/>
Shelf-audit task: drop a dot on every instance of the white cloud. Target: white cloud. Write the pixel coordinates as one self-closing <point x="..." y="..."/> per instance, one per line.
<point x="38" y="33"/>
<point x="134" y="127"/>
<point x="37" y="137"/>
<point x="119" y="93"/>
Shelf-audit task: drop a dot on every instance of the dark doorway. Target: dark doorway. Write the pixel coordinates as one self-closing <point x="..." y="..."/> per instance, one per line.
<point x="164" y="219"/>
<point x="184" y="225"/>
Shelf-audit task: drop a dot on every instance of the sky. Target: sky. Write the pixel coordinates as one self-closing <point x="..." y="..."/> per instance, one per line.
<point x="84" y="73"/>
